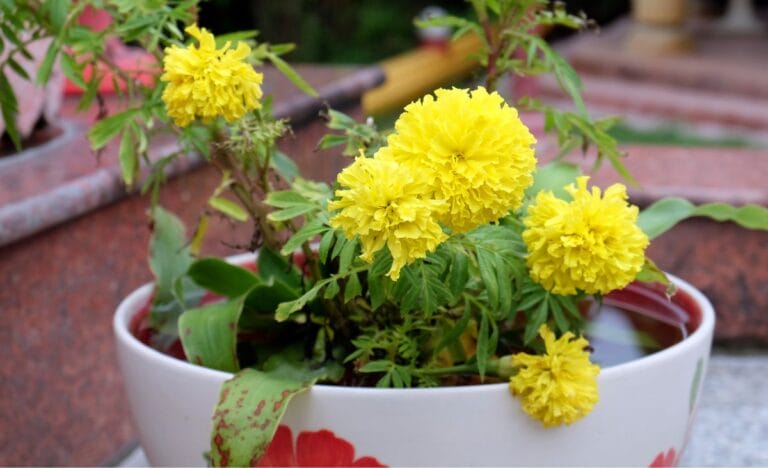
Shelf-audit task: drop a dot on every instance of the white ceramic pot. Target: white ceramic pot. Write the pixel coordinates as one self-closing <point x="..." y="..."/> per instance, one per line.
<point x="645" y="410"/>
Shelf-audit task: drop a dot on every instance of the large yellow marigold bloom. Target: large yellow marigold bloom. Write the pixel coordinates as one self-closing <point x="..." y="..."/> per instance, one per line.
<point x="207" y="82"/>
<point x="386" y="204"/>
<point x="559" y="386"/>
<point x="473" y="149"/>
<point x="591" y="243"/>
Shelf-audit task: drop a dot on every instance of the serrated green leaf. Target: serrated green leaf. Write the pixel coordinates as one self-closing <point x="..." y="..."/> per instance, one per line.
<point x="325" y="245"/>
<point x="209" y="335"/>
<point x="18" y="69"/>
<point x="129" y="160"/>
<point x="353" y="288"/>
<point x="377" y="291"/>
<point x="9" y="108"/>
<point x="46" y="66"/>
<point x="287" y="199"/>
<point x="286" y="309"/>
<point x="347" y="254"/>
<point x="535" y="321"/>
<point x="104" y="130"/>
<point x="455" y="332"/>
<point x="331" y="290"/>
<point x="376" y="366"/>
<point x="57" y="12"/>
<point x="72" y="70"/>
<point x="309" y="231"/>
<point x="290" y="213"/>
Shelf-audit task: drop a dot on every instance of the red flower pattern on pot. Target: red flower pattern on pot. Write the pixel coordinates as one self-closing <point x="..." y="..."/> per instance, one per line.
<point x="665" y="459"/>
<point x="313" y="448"/>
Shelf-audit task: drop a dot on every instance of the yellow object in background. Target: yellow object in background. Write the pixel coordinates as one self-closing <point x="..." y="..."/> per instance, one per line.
<point x="411" y="75"/>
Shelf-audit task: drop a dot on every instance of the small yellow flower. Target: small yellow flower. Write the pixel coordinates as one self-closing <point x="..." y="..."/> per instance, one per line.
<point x="472" y="148"/>
<point x="386" y="204"/>
<point x="591" y="243"/>
<point x="207" y="82"/>
<point x="560" y="386"/>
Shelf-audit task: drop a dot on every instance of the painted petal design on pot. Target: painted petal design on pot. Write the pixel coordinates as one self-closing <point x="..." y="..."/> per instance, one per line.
<point x="665" y="459"/>
<point x="313" y="448"/>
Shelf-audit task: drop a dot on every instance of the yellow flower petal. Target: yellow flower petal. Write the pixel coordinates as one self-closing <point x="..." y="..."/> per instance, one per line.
<point x="471" y="148"/>
<point x="560" y="386"/>
<point x="385" y="204"/>
<point x="590" y="244"/>
<point x="205" y="82"/>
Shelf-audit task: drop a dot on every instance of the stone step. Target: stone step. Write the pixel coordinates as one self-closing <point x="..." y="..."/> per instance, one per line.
<point x="668" y="102"/>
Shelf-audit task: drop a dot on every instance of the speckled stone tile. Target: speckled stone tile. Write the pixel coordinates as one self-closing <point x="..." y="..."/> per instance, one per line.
<point x="731" y="423"/>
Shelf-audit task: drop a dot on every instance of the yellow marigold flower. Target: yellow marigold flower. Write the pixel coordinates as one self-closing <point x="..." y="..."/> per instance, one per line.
<point x="591" y="243"/>
<point x="473" y="149"/>
<point x="385" y="204"/>
<point x="207" y="82"/>
<point x="559" y="386"/>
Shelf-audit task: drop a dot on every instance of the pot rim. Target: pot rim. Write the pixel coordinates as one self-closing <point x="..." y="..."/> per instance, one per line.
<point x="133" y="302"/>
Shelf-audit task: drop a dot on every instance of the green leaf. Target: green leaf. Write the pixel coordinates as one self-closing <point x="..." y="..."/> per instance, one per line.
<point x="209" y="335"/>
<point x="104" y="130"/>
<point x="291" y="74"/>
<point x="10" y="109"/>
<point x="57" y="12"/>
<point x="229" y="208"/>
<point x="750" y="216"/>
<point x="353" y="288"/>
<point x="287" y="199"/>
<point x="325" y="244"/>
<point x="554" y="177"/>
<point x="250" y="408"/>
<point x="286" y="309"/>
<point x="72" y="70"/>
<point x="663" y="215"/>
<point x="535" y="321"/>
<point x="650" y="273"/>
<point x="235" y="37"/>
<point x="420" y="287"/>
<point x="307" y="232"/>
<point x="129" y="160"/>
<point x="263" y="299"/>
<point x="220" y="277"/>
<point x="284" y="166"/>
<point x="169" y="256"/>
<point x="44" y="72"/>
<point x="290" y="213"/>
<point x="347" y="255"/>
<point x="17" y="68"/>
<point x="454" y="333"/>
<point x="274" y="266"/>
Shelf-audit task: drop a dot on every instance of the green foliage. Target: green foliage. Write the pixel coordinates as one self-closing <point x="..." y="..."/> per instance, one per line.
<point x="239" y="437"/>
<point x="666" y="213"/>
<point x="209" y="335"/>
<point x="354" y="136"/>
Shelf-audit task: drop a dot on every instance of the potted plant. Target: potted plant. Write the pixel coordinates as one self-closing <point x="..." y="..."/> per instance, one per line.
<point x="447" y="302"/>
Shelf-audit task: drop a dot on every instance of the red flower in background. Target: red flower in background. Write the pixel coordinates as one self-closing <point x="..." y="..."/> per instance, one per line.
<point x="665" y="459"/>
<point x="313" y="448"/>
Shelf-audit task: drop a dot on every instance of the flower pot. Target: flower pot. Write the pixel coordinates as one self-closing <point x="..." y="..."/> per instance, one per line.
<point x="643" y="416"/>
